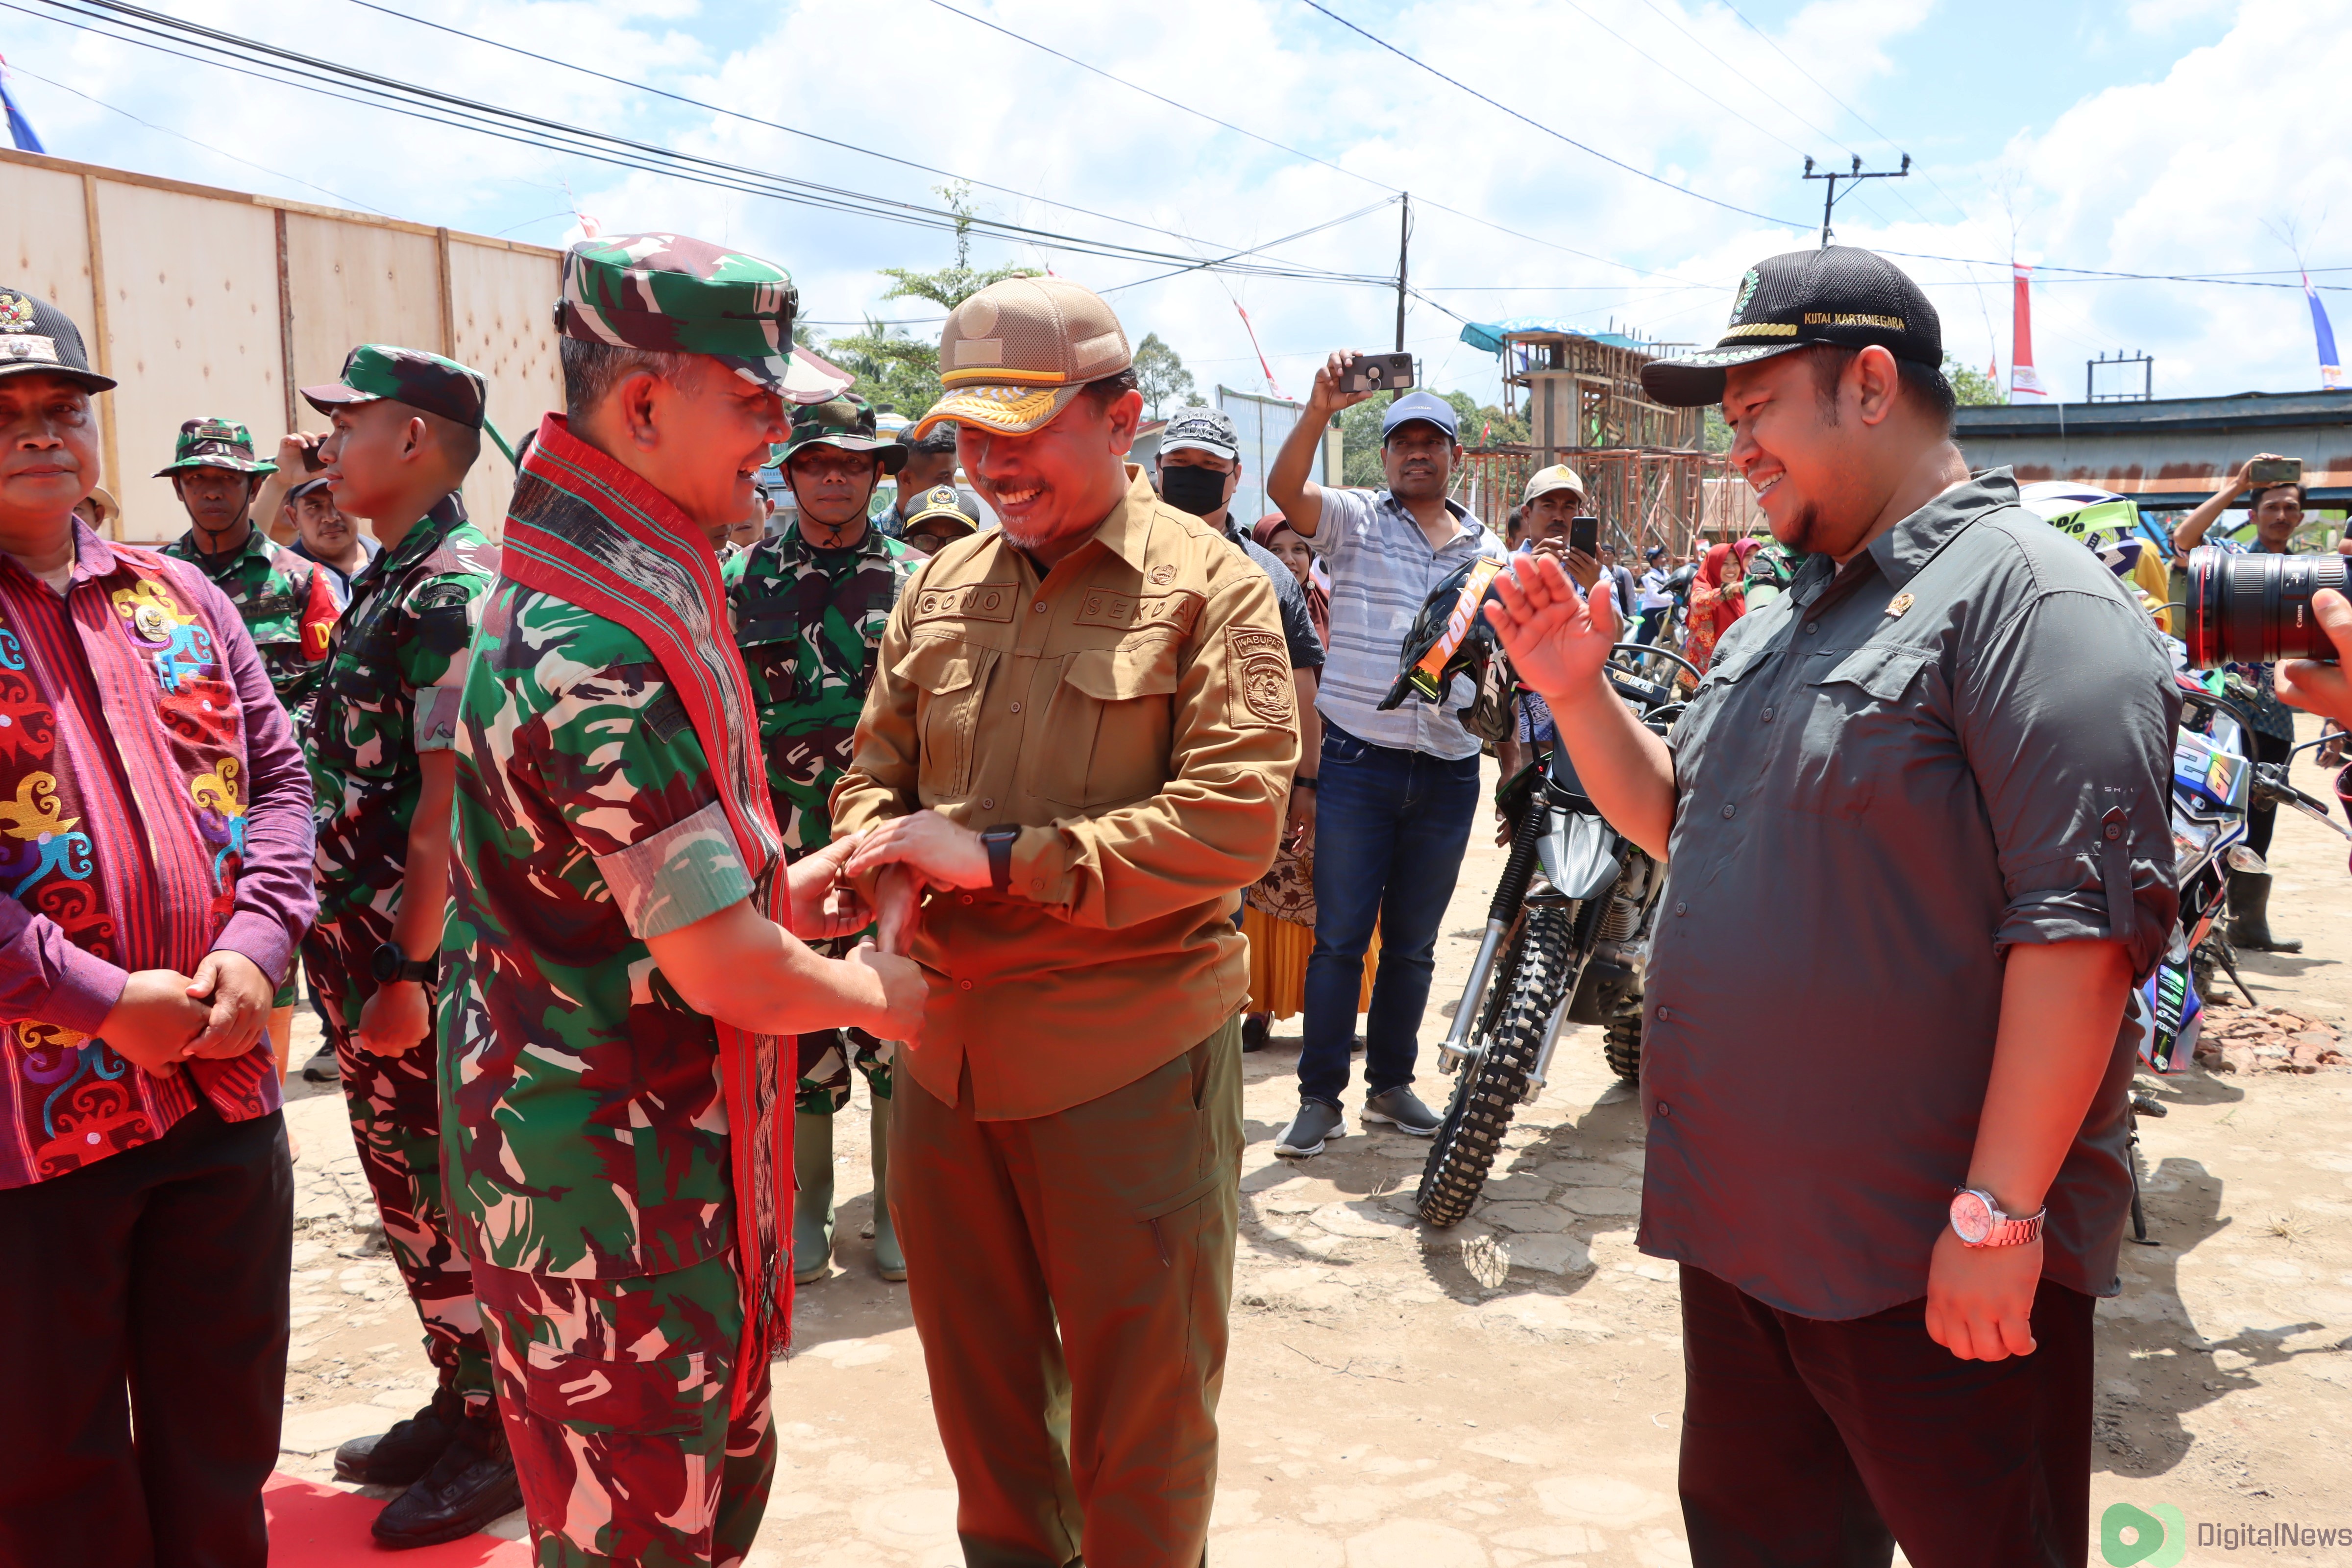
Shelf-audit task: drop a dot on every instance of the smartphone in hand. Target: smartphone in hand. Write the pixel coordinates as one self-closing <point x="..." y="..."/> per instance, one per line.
<point x="1379" y="373"/>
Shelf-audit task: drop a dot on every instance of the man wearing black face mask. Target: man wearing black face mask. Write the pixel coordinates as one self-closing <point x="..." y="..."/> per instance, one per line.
<point x="1198" y="470"/>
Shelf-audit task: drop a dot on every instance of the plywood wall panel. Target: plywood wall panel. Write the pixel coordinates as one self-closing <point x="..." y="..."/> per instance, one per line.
<point x="351" y="283"/>
<point x="502" y="323"/>
<point x="192" y="313"/>
<point x="44" y="242"/>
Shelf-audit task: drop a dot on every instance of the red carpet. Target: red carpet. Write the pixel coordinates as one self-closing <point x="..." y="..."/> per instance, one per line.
<point x="312" y="1525"/>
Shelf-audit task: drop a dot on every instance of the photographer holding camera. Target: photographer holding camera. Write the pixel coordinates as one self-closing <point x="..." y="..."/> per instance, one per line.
<point x="2277" y="508"/>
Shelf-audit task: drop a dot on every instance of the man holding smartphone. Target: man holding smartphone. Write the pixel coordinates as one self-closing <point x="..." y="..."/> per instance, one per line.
<point x="2272" y="489"/>
<point x="1397" y="790"/>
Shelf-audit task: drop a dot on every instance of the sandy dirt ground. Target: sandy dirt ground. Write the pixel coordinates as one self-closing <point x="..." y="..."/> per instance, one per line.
<point x="1507" y="1393"/>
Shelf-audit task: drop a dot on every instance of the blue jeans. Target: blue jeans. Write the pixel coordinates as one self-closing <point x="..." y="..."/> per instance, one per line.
<point x="1390" y="830"/>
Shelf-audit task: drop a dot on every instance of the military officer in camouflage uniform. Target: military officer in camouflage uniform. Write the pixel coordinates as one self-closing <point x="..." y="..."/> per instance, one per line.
<point x="808" y="607"/>
<point x="622" y="978"/>
<point x="286" y="603"/>
<point x="407" y="426"/>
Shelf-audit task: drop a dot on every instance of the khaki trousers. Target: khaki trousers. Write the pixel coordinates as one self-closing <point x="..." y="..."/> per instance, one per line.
<point x="1070" y="1275"/>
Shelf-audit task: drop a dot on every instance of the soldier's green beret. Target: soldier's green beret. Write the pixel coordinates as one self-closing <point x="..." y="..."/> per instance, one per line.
<point x="214" y="443"/>
<point x="672" y="294"/>
<point x="412" y="376"/>
<point x="845" y="421"/>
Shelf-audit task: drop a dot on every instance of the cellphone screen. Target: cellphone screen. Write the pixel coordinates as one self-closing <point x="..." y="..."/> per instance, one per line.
<point x="1584" y="533"/>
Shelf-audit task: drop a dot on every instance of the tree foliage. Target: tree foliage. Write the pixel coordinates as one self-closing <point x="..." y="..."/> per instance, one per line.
<point x="1160" y="372"/>
<point x="1973" y="388"/>
<point x="1360" y="433"/>
<point x="894" y="366"/>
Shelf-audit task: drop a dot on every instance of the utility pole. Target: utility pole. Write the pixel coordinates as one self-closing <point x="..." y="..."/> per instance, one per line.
<point x="1849" y="175"/>
<point x="1404" y="242"/>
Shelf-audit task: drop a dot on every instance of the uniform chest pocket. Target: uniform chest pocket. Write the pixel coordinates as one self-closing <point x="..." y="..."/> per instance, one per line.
<point x="1860" y="719"/>
<point x="950" y="680"/>
<point x="1108" y="727"/>
<point x="1724" y="685"/>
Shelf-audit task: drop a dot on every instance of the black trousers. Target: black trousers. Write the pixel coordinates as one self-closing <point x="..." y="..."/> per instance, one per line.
<point x="1820" y="1444"/>
<point x="148" y="1288"/>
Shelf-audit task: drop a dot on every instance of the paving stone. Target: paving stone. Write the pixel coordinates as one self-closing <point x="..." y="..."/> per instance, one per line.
<point x="1525" y="1218"/>
<point x="317" y="1430"/>
<point x="1602" y="1201"/>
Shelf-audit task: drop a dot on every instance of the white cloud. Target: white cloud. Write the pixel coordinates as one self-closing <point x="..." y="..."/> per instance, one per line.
<point x="2175" y="174"/>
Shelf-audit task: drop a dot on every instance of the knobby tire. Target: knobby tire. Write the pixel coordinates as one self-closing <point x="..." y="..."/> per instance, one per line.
<point x="1487" y="1095"/>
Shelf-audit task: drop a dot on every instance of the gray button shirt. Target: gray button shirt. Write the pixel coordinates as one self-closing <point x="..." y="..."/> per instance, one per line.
<point x="1891" y="774"/>
<point x="1382" y="569"/>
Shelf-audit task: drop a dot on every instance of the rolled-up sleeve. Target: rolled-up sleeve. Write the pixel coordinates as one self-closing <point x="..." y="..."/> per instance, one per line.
<point x="2067" y="717"/>
<point x="1346" y="513"/>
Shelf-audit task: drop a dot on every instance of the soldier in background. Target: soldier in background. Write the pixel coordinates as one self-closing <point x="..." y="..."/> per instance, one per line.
<point x="407" y="428"/>
<point x="624" y="974"/>
<point x="808" y="607"/>
<point x="286" y="603"/>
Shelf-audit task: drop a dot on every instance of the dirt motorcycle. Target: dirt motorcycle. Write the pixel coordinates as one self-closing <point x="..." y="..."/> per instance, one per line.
<point x="1568" y="927"/>
<point x="2215" y="783"/>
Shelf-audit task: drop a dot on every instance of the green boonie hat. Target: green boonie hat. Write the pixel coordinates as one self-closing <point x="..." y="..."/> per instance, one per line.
<point x="214" y="443"/>
<point x="846" y="422"/>
<point x="671" y="294"/>
<point x="422" y="380"/>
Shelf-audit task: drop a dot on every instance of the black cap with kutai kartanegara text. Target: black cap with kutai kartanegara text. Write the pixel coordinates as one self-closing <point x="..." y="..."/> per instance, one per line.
<point x="1842" y="295"/>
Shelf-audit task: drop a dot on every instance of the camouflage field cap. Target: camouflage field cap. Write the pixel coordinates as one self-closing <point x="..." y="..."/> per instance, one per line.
<point x="36" y="337"/>
<point x="420" y="380"/>
<point x="1014" y="354"/>
<point x="214" y="443"/>
<point x="673" y="294"/>
<point x="941" y="510"/>
<point x="846" y="422"/>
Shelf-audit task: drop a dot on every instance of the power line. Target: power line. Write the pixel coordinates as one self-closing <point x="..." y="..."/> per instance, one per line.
<point x="1595" y="152"/>
<point x="2095" y="275"/>
<point x="755" y="120"/>
<point x="1686" y="81"/>
<point x="1285" y="147"/>
<point x="167" y="130"/>
<point x="1740" y="76"/>
<point x="349" y="84"/>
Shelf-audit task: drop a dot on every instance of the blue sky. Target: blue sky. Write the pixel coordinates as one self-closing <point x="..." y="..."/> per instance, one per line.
<point x="2157" y="136"/>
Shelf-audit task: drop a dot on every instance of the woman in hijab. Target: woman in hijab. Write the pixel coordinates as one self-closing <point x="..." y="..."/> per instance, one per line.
<point x="1273" y="532"/>
<point x="1718" y="597"/>
<point x="1278" y="909"/>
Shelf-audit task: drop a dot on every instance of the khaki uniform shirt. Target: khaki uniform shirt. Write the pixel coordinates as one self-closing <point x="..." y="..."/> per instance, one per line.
<point x="1132" y="712"/>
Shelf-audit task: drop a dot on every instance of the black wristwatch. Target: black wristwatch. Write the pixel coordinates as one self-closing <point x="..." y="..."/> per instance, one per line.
<point x="1304" y="784"/>
<point x="998" y="842"/>
<point x="391" y="965"/>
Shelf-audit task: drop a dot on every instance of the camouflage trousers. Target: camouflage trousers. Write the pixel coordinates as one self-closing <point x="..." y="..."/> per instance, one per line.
<point x="826" y="1058"/>
<point x="616" y="1398"/>
<point x="396" y="1109"/>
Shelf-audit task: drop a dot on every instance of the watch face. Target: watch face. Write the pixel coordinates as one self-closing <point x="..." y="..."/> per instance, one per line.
<point x="1971" y="1217"/>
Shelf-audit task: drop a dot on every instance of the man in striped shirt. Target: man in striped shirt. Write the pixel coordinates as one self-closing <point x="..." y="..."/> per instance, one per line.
<point x="1397" y="790"/>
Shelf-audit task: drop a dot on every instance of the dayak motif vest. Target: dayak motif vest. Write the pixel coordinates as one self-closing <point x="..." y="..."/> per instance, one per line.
<point x="129" y="838"/>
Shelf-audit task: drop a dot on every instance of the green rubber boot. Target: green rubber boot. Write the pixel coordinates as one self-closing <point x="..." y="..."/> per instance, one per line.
<point x="812" y="1204"/>
<point x="889" y="1261"/>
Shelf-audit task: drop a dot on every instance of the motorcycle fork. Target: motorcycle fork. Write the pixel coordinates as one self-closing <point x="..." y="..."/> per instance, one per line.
<point x="1502" y="913"/>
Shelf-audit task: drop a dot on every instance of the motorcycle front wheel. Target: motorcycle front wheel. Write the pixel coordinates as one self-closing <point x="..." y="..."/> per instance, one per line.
<point x="1488" y="1091"/>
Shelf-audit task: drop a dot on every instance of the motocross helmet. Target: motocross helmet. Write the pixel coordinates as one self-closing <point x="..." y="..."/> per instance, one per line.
<point x="2106" y="522"/>
<point x="1450" y="636"/>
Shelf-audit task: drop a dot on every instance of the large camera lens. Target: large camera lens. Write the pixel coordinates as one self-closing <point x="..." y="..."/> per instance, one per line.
<point x="2256" y="609"/>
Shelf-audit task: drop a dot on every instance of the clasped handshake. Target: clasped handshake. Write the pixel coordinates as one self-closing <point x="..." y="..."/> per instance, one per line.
<point x="898" y="862"/>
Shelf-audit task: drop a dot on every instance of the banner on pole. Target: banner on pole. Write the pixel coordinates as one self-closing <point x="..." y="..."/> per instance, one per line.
<point x="2331" y="369"/>
<point x="2024" y="381"/>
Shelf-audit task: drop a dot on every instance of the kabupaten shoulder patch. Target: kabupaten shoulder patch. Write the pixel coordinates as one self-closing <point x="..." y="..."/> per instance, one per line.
<point x="1257" y="668"/>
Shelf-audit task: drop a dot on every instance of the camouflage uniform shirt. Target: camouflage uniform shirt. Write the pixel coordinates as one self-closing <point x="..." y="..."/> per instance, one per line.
<point x="810" y="624"/>
<point x="396" y="670"/>
<point x="583" y="1125"/>
<point x="271" y="588"/>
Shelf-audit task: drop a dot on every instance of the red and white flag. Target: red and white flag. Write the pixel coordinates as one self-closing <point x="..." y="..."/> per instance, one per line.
<point x="2024" y="382"/>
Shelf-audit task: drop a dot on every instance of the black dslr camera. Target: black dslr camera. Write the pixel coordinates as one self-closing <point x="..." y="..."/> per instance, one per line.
<point x="2256" y="609"/>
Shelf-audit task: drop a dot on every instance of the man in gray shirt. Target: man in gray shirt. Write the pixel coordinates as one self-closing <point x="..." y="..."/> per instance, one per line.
<point x="1918" y="819"/>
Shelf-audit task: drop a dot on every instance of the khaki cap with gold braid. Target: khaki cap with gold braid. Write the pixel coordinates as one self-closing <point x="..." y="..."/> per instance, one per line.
<point x="1013" y="356"/>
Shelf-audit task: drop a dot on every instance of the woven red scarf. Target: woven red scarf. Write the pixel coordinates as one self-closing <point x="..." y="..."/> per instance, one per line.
<point x="586" y="531"/>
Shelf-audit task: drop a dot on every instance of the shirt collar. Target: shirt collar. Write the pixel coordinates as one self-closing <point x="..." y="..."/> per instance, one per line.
<point x="447" y="514"/>
<point x="256" y="543"/>
<point x="1910" y="545"/>
<point x="1472" y="529"/>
